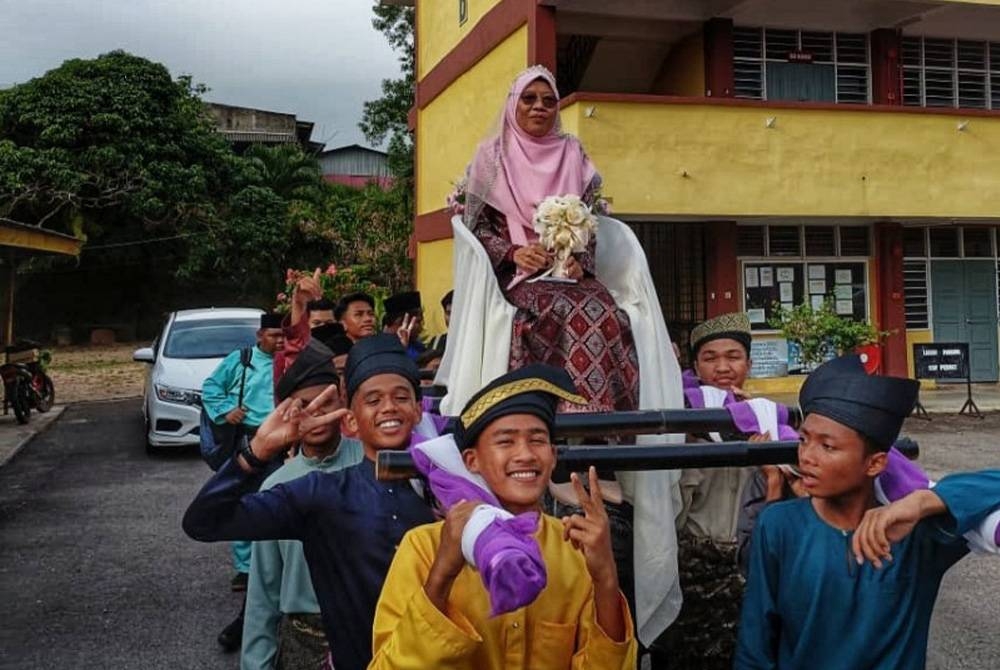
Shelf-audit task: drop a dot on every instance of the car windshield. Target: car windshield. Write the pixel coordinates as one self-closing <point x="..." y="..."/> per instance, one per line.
<point x="210" y="338"/>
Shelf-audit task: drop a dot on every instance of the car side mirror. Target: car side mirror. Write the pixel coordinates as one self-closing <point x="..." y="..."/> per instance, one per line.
<point x="144" y="355"/>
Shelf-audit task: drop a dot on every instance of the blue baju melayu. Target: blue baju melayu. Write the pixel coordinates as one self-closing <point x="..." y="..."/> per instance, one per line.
<point x="809" y="604"/>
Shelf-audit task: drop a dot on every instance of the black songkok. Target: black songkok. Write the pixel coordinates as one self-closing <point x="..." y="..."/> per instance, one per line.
<point x="312" y="367"/>
<point x="334" y="337"/>
<point x="873" y="405"/>
<point x="448" y="298"/>
<point x="376" y="355"/>
<point x="732" y="326"/>
<point x="402" y="303"/>
<point x="535" y="389"/>
<point x="271" y="320"/>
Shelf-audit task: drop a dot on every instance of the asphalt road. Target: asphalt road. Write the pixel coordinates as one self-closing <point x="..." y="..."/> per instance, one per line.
<point x="95" y="571"/>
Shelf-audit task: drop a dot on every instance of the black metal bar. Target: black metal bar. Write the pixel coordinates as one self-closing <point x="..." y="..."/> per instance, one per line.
<point x="399" y="464"/>
<point x="651" y="422"/>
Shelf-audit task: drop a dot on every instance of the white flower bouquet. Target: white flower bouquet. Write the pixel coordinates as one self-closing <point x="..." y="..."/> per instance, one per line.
<point x="564" y="225"/>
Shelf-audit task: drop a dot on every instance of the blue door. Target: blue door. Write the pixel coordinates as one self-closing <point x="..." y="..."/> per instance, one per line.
<point x="964" y="304"/>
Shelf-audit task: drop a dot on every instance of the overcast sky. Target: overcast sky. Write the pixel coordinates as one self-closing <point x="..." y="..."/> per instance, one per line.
<point x="319" y="59"/>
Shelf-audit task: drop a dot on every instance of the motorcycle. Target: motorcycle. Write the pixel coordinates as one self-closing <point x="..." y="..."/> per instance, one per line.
<point x="26" y="385"/>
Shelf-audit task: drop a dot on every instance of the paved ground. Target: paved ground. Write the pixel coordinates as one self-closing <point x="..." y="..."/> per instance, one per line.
<point x="96" y="573"/>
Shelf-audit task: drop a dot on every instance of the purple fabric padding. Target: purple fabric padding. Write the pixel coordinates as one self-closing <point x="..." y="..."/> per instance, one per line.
<point x="695" y="398"/>
<point x="439" y="421"/>
<point x="901" y="476"/>
<point x="510" y="562"/>
<point x="450" y="489"/>
<point x="690" y="380"/>
<point x="996" y="535"/>
<point x="743" y="417"/>
<point x="506" y="552"/>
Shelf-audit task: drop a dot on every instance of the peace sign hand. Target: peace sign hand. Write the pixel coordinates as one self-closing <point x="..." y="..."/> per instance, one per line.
<point x="405" y="330"/>
<point x="591" y="533"/>
<point x="290" y="420"/>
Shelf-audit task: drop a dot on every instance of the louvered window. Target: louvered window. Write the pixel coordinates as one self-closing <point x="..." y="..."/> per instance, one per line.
<point x="951" y="73"/>
<point x="915" y="294"/>
<point x="750" y="241"/>
<point x="854" y="241"/>
<point x="821" y="241"/>
<point x="784" y="241"/>
<point x="748" y="64"/>
<point x="754" y="48"/>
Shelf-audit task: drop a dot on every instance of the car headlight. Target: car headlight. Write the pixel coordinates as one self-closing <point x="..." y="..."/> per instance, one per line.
<point x="177" y="395"/>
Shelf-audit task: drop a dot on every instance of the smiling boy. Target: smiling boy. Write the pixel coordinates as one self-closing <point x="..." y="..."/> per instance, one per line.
<point x="349" y="523"/>
<point x="434" y="611"/>
<point x="836" y="580"/>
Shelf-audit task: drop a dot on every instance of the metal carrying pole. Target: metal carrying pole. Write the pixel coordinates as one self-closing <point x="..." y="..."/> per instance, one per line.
<point x="399" y="464"/>
<point x="651" y="422"/>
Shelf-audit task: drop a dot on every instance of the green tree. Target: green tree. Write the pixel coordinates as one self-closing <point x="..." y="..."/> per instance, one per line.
<point x="385" y="119"/>
<point x="287" y="170"/>
<point x="112" y="147"/>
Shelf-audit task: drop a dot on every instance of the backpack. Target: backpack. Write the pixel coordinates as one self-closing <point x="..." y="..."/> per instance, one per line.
<point x="218" y="442"/>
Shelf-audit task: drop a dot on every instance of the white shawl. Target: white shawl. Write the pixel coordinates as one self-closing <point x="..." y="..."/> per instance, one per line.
<point x="478" y="351"/>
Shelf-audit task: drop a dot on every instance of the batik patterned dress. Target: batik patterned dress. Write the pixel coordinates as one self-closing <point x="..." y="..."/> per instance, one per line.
<point x="577" y="327"/>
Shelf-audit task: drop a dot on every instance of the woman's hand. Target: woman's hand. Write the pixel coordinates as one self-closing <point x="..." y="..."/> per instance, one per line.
<point x="531" y="258"/>
<point x="573" y="268"/>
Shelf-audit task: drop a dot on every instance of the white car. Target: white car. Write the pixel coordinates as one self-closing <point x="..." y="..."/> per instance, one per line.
<point x="184" y="354"/>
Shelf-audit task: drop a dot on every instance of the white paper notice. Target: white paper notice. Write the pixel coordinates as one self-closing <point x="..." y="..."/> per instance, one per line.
<point x="785" y="289"/>
<point x="767" y="276"/>
<point x="817" y="286"/>
<point x="787" y="305"/>
<point x="843" y="292"/>
<point x="845" y="307"/>
<point x="750" y="278"/>
<point x="756" y="316"/>
<point x="817" y="272"/>
<point x="843" y="276"/>
<point x="786" y="274"/>
<point x="817" y="302"/>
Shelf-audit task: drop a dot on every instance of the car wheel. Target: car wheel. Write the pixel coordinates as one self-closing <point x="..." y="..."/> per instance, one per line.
<point x="150" y="449"/>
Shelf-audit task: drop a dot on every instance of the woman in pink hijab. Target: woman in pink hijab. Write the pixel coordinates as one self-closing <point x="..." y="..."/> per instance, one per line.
<point x="574" y="326"/>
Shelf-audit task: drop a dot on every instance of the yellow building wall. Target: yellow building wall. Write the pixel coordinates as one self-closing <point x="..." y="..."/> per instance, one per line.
<point x="722" y="160"/>
<point x="683" y="72"/>
<point x="439" y="30"/>
<point x="434" y="279"/>
<point x="450" y="128"/>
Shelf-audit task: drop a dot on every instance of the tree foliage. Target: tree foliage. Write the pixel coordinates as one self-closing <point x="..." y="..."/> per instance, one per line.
<point x="116" y="150"/>
<point x="96" y="146"/>
<point x="385" y="119"/>
<point x="820" y="332"/>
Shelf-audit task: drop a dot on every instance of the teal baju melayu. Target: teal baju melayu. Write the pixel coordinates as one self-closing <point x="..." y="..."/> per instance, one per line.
<point x="809" y="604"/>
<point x="279" y="581"/>
<point x="220" y="392"/>
<point x="220" y="395"/>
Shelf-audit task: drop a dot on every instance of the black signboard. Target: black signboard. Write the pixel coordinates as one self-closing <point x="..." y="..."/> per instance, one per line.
<point x="945" y="361"/>
<point x="941" y="360"/>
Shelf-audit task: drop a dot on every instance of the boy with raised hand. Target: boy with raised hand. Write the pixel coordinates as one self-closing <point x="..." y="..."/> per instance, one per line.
<point x="282" y="627"/>
<point x="435" y="612"/>
<point x="348" y="522"/>
<point x="836" y="580"/>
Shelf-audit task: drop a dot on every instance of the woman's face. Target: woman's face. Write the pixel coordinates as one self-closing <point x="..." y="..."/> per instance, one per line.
<point x="537" y="108"/>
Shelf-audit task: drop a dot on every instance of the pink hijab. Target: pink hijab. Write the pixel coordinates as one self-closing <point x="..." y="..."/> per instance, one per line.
<point x="514" y="171"/>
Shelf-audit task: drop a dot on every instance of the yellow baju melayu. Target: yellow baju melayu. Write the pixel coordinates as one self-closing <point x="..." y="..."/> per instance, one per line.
<point x="558" y="630"/>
